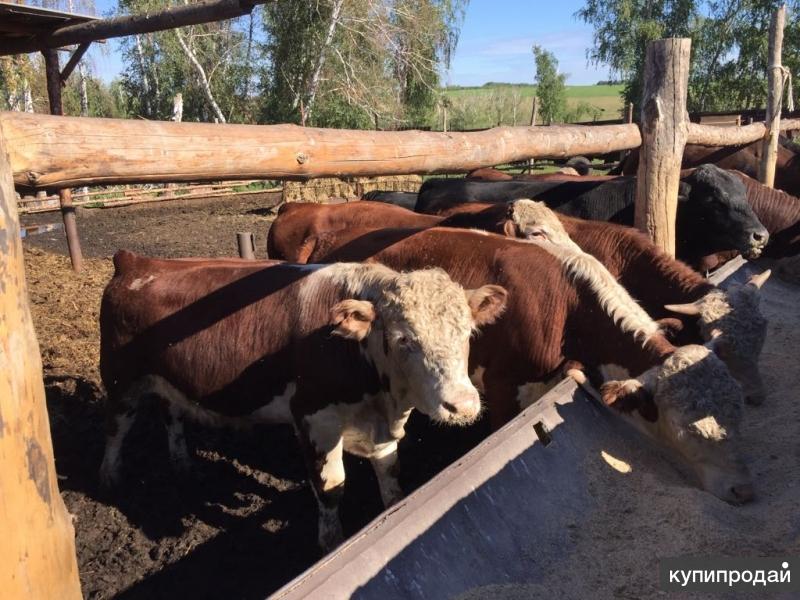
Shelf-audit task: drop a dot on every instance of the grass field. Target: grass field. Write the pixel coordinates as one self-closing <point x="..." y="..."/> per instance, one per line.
<point x="510" y="104"/>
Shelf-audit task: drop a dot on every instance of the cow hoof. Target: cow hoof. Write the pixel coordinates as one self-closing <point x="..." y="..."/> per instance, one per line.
<point x="109" y="484"/>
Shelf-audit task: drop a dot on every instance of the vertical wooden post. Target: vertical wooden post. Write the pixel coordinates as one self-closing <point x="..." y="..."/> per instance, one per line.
<point x="769" y="156"/>
<point x="246" y="242"/>
<point x="534" y="111"/>
<point x="444" y="118"/>
<point x="37" y="546"/>
<point x="534" y="115"/>
<point x="629" y="113"/>
<point x="53" y="71"/>
<point x="664" y="131"/>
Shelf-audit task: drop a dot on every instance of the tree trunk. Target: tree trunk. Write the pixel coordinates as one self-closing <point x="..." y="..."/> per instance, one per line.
<point x="27" y="96"/>
<point x="145" y="80"/>
<point x="177" y="108"/>
<point x="201" y="75"/>
<point x="313" y="85"/>
<point x="248" y="57"/>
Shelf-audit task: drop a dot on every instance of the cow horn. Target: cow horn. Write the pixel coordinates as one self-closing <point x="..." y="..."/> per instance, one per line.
<point x="691" y="309"/>
<point x="713" y="339"/>
<point x="759" y="279"/>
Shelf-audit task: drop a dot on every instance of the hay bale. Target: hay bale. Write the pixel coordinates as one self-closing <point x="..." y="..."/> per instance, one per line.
<point x="324" y="190"/>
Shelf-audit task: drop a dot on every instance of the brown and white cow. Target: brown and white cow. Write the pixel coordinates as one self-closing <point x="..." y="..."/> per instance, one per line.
<point x="745" y="158"/>
<point x="342" y="352"/>
<point x="731" y="318"/>
<point x="561" y="313"/>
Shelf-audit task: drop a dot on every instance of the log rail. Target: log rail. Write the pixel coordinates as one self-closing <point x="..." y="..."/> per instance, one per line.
<point x="59" y="152"/>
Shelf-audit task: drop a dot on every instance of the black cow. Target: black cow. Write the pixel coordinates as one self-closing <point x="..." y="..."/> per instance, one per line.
<point x="713" y="212"/>
<point x="405" y="199"/>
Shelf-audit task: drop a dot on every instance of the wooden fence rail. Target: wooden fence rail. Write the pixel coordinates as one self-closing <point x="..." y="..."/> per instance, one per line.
<point x="58" y="152"/>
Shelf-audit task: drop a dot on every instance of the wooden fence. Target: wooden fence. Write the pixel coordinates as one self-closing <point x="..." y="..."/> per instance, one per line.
<point x="125" y="195"/>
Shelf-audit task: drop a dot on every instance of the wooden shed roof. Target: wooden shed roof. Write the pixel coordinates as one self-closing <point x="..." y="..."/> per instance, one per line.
<point x="19" y="21"/>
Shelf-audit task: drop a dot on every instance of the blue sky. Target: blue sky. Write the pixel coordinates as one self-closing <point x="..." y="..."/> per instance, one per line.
<point x="495" y="43"/>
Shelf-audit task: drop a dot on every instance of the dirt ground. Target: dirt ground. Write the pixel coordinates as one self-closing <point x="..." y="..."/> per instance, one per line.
<point x="246" y="524"/>
<point x="196" y="227"/>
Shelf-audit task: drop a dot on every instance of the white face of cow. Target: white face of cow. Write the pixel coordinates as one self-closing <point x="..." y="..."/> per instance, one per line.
<point x="732" y="322"/>
<point x="534" y="221"/>
<point x="417" y="335"/>
<point x="692" y="404"/>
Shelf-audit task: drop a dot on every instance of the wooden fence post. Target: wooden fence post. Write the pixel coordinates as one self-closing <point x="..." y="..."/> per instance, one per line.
<point x="54" y="84"/>
<point x="246" y="242"/>
<point x="769" y="155"/>
<point x="37" y="546"/>
<point x="534" y="111"/>
<point x="664" y="123"/>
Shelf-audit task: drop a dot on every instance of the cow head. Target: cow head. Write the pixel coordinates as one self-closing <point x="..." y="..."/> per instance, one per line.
<point x="416" y="331"/>
<point x="716" y="202"/>
<point x="693" y="405"/>
<point x="734" y="327"/>
<point x="534" y="221"/>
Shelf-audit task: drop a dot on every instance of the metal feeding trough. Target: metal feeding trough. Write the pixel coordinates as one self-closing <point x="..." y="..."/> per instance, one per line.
<point x="500" y="514"/>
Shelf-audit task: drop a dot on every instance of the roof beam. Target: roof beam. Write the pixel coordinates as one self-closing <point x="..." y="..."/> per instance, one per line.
<point x="171" y="18"/>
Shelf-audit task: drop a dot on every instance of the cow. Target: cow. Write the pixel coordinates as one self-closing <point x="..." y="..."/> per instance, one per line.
<point x="291" y="235"/>
<point x="565" y="316"/>
<point x="489" y="174"/>
<point x="713" y="213"/>
<point x="745" y="158"/>
<point x="405" y="199"/>
<point x="665" y="287"/>
<point x="342" y="352"/>
<point x="779" y="212"/>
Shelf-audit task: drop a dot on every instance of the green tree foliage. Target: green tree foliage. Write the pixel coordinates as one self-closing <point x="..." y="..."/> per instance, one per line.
<point x="729" y="45"/>
<point x="369" y="60"/>
<point x="157" y="68"/>
<point x="550" y="86"/>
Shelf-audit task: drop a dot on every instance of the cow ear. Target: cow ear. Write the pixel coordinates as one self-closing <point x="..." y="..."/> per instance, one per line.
<point x="630" y="395"/>
<point x="510" y="228"/>
<point x="487" y="303"/>
<point x="352" y="319"/>
<point x="684" y="191"/>
<point x="670" y="326"/>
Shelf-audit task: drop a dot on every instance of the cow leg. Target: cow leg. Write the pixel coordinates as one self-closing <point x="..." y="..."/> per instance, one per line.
<point x="384" y="464"/>
<point x="176" y="439"/>
<point x="121" y="413"/>
<point x="321" y="439"/>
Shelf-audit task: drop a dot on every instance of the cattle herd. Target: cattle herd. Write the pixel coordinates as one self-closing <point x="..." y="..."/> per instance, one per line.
<point x="473" y="295"/>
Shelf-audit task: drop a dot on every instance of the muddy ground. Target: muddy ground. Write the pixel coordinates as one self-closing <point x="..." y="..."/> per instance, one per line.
<point x="246" y="524"/>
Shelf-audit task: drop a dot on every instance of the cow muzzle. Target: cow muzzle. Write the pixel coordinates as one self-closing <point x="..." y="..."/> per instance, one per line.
<point x="756" y="242"/>
<point x="461" y="408"/>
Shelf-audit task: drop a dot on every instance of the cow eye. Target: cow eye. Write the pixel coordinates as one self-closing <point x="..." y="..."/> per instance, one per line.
<point x="403" y="342"/>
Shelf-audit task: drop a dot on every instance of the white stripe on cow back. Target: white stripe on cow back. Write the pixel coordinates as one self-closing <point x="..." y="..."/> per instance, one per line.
<point x="614" y="299"/>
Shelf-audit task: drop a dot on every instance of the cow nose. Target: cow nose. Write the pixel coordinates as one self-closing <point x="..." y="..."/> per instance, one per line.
<point x="465" y="402"/>
<point x="743" y="492"/>
<point x="760" y="237"/>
